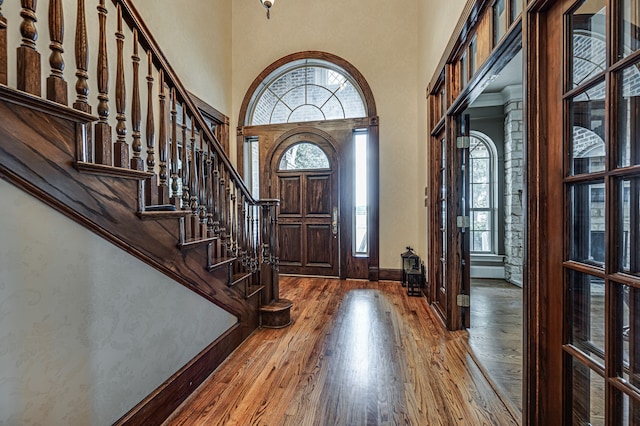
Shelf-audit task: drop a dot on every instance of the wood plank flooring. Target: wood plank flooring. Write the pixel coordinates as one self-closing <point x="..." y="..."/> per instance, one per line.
<point x="495" y="336"/>
<point x="358" y="353"/>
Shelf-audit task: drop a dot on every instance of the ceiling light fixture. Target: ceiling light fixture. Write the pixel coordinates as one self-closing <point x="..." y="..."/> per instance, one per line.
<point x="267" y="5"/>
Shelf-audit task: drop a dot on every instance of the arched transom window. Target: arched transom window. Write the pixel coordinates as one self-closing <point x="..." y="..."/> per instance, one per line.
<point x="304" y="156"/>
<point x="306" y="90"/>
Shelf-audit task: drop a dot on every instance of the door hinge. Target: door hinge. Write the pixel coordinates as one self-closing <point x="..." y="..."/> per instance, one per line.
<point x="463" y="142"/>
<point x="464" y="300"/>
<point x="463" y="221"/>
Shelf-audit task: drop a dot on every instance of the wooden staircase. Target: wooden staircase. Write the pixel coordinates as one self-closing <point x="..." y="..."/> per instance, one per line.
<point x="180" y="206"/>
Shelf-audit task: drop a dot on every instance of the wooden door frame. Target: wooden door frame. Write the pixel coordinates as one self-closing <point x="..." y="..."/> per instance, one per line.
<point x="543" y="341"/>
<point x="368" y="267"/>
<point x="327" y="144"/>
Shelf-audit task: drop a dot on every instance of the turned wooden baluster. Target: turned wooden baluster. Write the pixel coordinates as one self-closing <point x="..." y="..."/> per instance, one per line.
<point x="202" y="189"/>
<point x="228" y="209"/>
<point x="256" y="236"/>
<point x="175" y="196"/>
<point x="216" y="198"/>
<point x="151" y="184"/>
<point x="266" y="250"/>
<point x="3" y="47"/>
<point x="121" y="150"/>
<point x="185" y="161"/>
<point x="222" y="210"/>
<point x="275" y="244"/>
<point x="56" y="86"/>
<point x="82" y="62"/>
<point x="209" y="186"/>
<point x="136" y="116"/>
<point x="242" y="217"/>
<point x="163" y="187"/>
<point x="28" y="57"/>
<point x="234" y="224"/>
<point x="193" y="173"/>
<point x="103" y="149"/>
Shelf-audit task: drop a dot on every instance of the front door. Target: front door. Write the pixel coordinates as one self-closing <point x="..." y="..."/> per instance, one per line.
<point x="305" y="180"/>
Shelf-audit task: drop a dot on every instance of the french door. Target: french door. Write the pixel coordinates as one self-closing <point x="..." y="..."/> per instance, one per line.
<point x="589" y="164"/>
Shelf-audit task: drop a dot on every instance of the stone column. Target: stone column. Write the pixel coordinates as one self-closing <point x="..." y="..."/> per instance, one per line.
<point x="513" y="185"/>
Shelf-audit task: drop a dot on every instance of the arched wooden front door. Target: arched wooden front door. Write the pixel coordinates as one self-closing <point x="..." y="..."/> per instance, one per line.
<point x="304" y="177"/>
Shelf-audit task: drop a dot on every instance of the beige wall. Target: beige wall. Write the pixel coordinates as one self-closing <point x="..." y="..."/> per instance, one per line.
<point x="86" y="330"/>
<point x="437" y="20"/>
<point x="379" y="37"/>
<point x="196" y="38"/>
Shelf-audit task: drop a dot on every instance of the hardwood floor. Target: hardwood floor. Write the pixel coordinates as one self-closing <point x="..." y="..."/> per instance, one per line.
<point x="495" y="336"/>
<point x="357" y="353"/>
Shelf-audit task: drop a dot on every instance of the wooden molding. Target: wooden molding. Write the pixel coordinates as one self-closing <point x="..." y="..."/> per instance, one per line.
<point x="162" y="402"/>
<point x="390" y="275"/>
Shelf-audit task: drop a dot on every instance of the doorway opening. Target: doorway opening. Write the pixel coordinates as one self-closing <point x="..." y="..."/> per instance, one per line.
<point x="316" y="99"/>
<point x="496" y="164"/>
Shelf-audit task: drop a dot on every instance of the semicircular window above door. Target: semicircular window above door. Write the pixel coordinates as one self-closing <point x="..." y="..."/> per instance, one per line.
<point x="303" y="156"/>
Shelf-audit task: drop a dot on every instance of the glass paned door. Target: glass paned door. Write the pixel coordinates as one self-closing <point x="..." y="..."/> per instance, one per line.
<point x="602" y="207"/>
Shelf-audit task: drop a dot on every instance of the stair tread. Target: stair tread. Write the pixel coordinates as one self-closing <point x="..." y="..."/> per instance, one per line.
<point x="278" y="305"/>
<point x="156" y="215"/>
<point x="217" y="262"/>
<point x="239" y="276"/>
<point x="253" y="290"/>
<point x="195" y="243"/>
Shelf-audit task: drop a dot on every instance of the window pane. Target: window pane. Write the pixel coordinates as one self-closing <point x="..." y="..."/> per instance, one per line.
<point x="361" y="239"/>
<point x="589" y="45"/>
<point x="305" y="93"/>
<point x="629" y="113"/>
<point x="473" y="48"/>
<point x="587" y="396"/>
<point x="481" y="241"/>
<point x="516" y="9"/>
<point x="630" y="334"/>
<point x="630" y="216"/>
<point x="306" y="113"/>
<point x="586" y="301"/>
<point x="629" y="27"/>
<point x="480" y="196"/>
<point x="587" y="140"/>
<point x="304" y="155"/>
<point x="499" y="21"/>
<point x="587" y="225"/>
<point x="481" y="231"/>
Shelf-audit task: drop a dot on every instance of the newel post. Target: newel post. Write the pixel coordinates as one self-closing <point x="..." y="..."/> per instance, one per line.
<point x="276" y="311"/>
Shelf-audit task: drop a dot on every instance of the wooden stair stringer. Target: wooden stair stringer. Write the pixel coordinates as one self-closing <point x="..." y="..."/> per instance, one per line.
<point x="38" y="154"/>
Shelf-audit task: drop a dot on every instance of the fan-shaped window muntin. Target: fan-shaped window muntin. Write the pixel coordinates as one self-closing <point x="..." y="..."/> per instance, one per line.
<point x="306" y="90"/>
<point x="303" y="156"/>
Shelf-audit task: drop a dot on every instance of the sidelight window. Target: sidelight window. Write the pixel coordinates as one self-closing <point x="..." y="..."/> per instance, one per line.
<point x="361" y="204"/>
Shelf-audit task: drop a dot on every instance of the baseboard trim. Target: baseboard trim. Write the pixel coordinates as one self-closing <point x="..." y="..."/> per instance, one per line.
<point x="390" y="274"/>
<point x="162" y="402"/>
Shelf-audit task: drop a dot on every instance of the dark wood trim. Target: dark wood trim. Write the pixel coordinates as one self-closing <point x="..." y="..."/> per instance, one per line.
<point x="162" y="402"/>
<point x="37" y="103"/>
<point x="390" y="275"/>
<point x="542" y="397"/>
<point x="104" y="170"/>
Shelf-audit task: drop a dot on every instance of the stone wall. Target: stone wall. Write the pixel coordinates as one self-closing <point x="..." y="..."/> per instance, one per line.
<point x="514" y="170"/>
